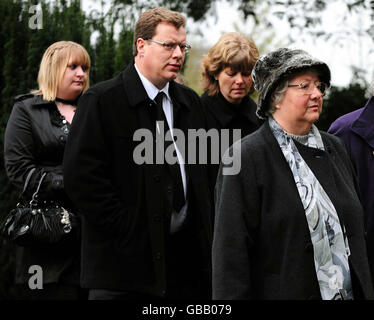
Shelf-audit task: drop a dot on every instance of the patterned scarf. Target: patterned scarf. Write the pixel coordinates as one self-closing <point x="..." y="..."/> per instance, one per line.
<point x="328" y="236"/>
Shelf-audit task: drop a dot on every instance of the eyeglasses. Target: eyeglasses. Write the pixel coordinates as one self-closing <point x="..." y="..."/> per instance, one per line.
<point x="171" y="46"/>
<point x="306" y="87"/>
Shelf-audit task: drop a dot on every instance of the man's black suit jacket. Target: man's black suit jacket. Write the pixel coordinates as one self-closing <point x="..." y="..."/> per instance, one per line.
<point x="120" y="202"/>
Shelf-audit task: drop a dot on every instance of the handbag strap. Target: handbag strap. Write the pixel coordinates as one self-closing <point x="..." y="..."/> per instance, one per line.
<point x="27" y="182"/>
<point x="34" y="200"/>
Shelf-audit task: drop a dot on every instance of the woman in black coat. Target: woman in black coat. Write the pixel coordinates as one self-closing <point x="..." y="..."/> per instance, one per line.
<point x="227" y="83"/>
<point x="35" y="138"/>
<point x="290" y="224"/>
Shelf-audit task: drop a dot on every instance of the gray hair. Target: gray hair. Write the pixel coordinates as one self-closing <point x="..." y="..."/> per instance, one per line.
<point x="277" y="96"/>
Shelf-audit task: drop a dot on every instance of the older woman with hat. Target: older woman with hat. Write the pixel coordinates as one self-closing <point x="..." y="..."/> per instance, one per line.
<point x="290" y="224"/>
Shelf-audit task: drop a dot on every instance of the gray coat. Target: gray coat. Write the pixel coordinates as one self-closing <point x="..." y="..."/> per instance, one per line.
<point x="262" y="247"/>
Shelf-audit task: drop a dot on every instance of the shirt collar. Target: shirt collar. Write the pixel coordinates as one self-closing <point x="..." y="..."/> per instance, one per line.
<point x="150" y="88"/>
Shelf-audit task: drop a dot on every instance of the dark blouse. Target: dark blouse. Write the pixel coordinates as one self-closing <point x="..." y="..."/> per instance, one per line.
<point x="221" y="114"/>
<point x="59" y="120"/>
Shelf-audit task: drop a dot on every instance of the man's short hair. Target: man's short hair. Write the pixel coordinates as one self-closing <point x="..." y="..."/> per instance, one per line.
<point x="149" y="20"/>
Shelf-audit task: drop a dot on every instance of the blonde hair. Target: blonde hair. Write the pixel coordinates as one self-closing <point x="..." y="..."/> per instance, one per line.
<point x="233" y="50"/>
<point x="149" y="20"/>
<point x="53" y="67"/>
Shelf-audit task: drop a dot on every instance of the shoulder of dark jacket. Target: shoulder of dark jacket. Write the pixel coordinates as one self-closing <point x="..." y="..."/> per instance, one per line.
<point x="30" y="99"/>
<point x="126" y="85"/>
<point x="181" y="88"/>
<point x="183" y="94"/>
<point x="106" y="85"/>
<point x="261" y="139"/>
<point x="251" y="102"/>
<point x="23" y="96"/>
<point x="205" y="96"/>
<point x="330" y="140"/>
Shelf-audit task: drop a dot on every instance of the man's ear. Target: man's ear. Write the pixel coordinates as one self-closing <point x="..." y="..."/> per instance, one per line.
<point x="140" y="45"/>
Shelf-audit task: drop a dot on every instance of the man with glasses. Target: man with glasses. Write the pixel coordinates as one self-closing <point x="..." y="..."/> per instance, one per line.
<point x="146" y="227"/>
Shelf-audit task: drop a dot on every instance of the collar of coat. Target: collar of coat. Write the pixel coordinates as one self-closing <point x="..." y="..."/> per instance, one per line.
<point x="37" y="100"/>
<point x="225" y="112"/>
<point x="137" y="95"/>
<point x="364" y="124"/>
<point x="272" y="141"/>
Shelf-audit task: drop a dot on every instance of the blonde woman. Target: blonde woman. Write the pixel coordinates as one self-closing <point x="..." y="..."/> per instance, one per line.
<point x="35" y="137"/>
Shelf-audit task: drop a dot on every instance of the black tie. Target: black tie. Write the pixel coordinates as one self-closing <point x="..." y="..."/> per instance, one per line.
<point x="160" y="115"/>
<point x="178" y="191"/>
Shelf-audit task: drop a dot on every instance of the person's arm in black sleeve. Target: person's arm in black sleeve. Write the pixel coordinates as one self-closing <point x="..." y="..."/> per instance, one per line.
<point x="87" y="170"/>
<point x="20" y="155"/>
<point x="236" y="221"/>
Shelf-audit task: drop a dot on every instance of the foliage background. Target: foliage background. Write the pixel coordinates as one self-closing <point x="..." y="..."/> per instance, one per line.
<point x="21" y="49"/>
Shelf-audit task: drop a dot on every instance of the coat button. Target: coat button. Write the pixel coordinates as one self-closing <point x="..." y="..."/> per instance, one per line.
<point x="62" y="138"/>
<point x="158" y="256"/>
<point x="156" y="178"/>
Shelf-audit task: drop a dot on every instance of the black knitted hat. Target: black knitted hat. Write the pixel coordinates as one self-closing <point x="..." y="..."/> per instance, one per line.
<point x="272" y="68"/>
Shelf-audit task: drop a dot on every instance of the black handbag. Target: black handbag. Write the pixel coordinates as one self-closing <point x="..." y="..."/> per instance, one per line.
<point x="38" y="223"/>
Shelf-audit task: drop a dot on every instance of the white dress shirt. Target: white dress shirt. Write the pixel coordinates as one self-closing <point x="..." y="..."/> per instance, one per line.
<point x="167" y="106"/>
